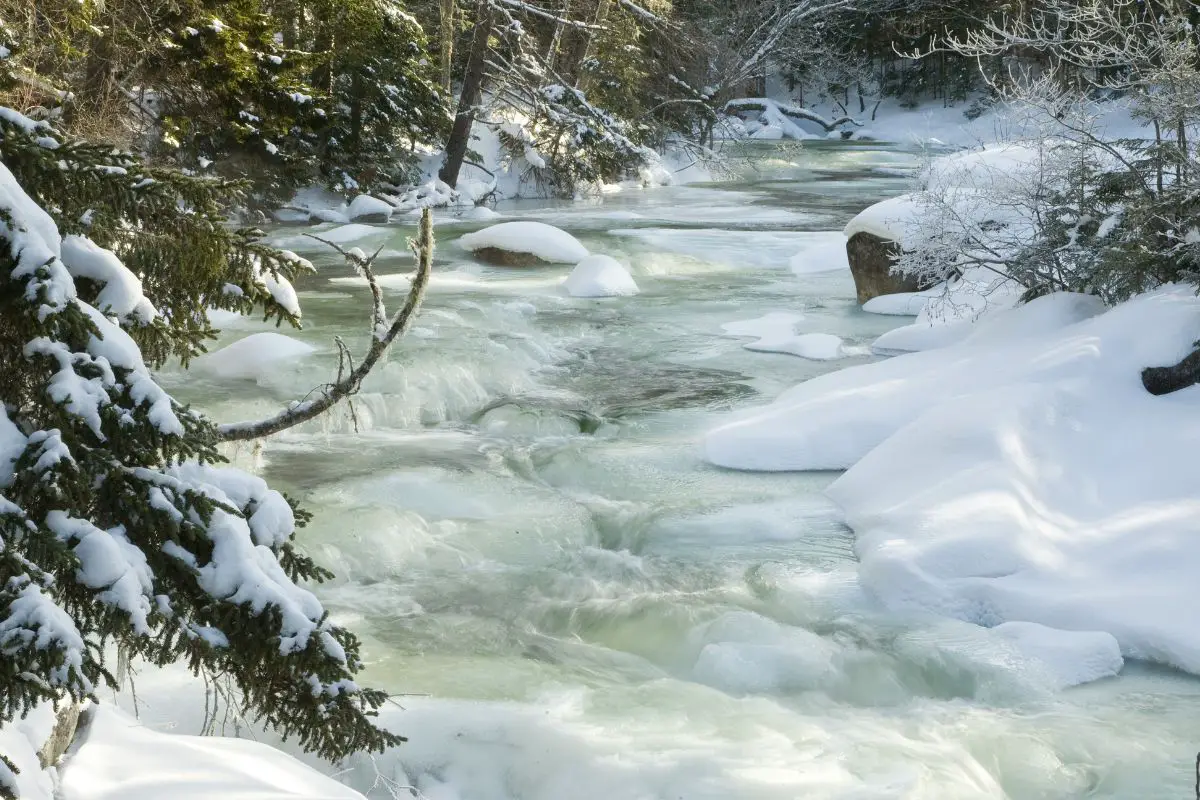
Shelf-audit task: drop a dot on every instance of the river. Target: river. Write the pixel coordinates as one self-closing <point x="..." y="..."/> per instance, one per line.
<point x="576" y="607"/>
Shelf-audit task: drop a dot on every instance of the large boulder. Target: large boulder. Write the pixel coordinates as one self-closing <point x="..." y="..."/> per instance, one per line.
<point x="518" y="244"/>
<point x="871" y="261"/>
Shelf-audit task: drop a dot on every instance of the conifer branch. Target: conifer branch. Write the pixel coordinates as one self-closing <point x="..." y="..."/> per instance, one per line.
<point x="381" y="339"/>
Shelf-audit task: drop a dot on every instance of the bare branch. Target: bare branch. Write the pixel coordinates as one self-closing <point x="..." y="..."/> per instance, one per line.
<point x="381" y="339"/>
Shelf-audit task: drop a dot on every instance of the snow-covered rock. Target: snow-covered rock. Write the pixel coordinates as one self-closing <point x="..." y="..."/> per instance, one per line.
<point x="118" y="759"/>
<point x="365" y="208"/>
<point x="515" y="243"/>
<point x="479" y="214"/>
<point x="334" y="215"/>
<point x="600" y="276"/>
<point x="1016" y="478"/>
<point x="252" y="356"/>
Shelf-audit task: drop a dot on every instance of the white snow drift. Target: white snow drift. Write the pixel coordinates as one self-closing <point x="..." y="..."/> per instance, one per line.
<point x="1023" y="474"/>
<point x="535" y="238"/>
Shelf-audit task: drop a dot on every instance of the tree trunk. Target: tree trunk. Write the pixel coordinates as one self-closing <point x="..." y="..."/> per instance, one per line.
<point x="446" y="33"/>
<point x="1164" y="380"/>
<point x="472" y="93"/>
<point x="582" y="76"/>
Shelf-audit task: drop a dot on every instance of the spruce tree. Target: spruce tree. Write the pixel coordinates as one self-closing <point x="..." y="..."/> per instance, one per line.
<point x="119" y="527"/>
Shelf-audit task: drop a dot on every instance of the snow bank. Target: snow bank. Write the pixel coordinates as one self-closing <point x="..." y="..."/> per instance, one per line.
<point x="901" y="304"/>
<point x="252" y="356"/>
<point x="826" y="254"/>
<point x="20" y="741"/>
<point x="600" y="276"/>
<point x="929" y="332"/>
<point x="538" y="239"/>
<point x="1022" y="475"/>
<point x="121" y="760"/>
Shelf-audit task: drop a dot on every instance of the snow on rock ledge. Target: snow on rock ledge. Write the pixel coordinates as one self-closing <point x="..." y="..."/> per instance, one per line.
<point x="1023" y="474"/>
<point x="524" y="243"/>
<point x="119" y="759"/>
<point x="600" y="276"/>
<point x="252" y="356"/>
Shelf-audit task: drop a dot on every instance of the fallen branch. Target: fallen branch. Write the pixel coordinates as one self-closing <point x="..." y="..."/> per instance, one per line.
<point x="383" y="334"/>
<point x="795" y="112"/>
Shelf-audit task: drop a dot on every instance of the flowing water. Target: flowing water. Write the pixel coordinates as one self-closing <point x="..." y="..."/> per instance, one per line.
<point x="576" y="606"/>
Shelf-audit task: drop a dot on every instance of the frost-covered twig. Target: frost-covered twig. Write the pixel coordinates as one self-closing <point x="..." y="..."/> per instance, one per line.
<point x="382" y="338"/>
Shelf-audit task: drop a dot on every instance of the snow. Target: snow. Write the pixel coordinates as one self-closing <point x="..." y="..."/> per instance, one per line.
<point x="479" y="214"/>
<point x="775" y="332"/>
<point x="279" y="287"/>
<point x="20" y="742"/>
<point x="600" y="276"/>
<point x="536" y="238"/>
<point x="253" y="356"/>
<point x="122" y="290"/>
<point x="12" y="445"/>
<point x="108" y="561"/>
<point x="826" y="254"/>
<point x="366" y="206"/>
<point x="122" y="760"/>
<point x="892" y="219"/>
<point x="813" y="346"/>
<point x="901" y="304"/>
<point x="1021" y="475"/>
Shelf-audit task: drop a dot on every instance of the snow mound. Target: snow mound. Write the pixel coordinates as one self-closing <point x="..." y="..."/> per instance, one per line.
<point x="813" y="346"/>
<point x="252" y="356"/>
<point x="544" y="242"/>
<point x="1016" y="477"/>
<point x="600" y="276"/>
<point x="901" y="304"/>
<point x="369" y="209"/>
<point x="121" y="760"/>
<point x="479" y="214"/>
<point x="827" y="254"/>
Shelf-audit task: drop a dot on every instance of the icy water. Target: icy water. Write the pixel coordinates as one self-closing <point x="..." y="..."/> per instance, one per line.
<point x="577" y="607"/>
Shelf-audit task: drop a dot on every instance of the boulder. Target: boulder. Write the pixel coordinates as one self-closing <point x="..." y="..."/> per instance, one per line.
<point x="871" y="265"/>
<point x="507" y="258"/>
